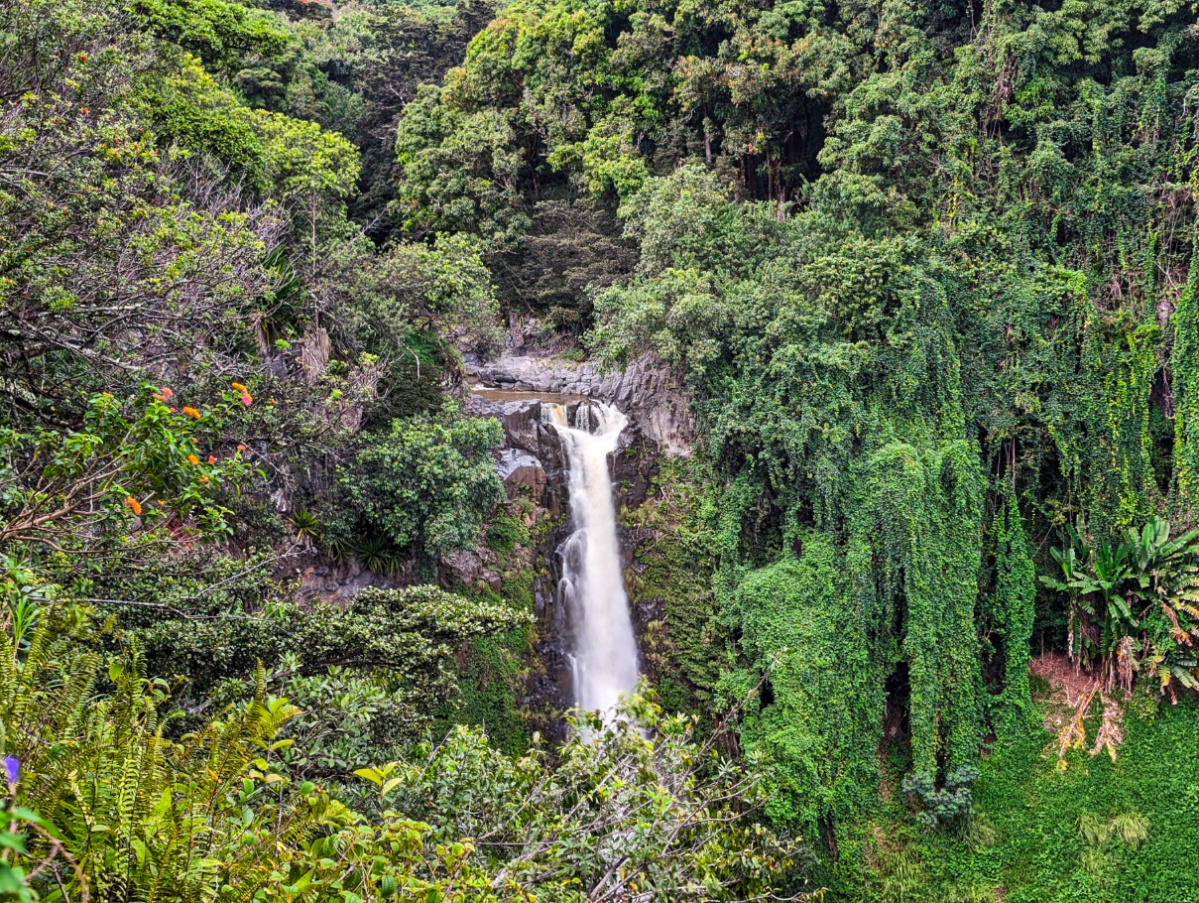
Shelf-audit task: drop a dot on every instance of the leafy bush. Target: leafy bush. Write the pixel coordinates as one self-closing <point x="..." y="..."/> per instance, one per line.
<point x="214" y="29"/>
<point x="947" y="805"/>
<point x="426" y="485"/>
<point x="404" y="641"/>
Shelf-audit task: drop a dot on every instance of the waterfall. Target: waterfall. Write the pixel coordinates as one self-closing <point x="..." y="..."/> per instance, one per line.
<point x="605" y="652"/>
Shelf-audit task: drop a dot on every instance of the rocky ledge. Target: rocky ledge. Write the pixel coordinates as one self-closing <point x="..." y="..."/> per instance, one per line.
<point x="645" y="391"/>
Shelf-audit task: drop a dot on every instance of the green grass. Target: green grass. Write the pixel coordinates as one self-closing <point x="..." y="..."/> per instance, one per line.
<point x="1027" y="845"/>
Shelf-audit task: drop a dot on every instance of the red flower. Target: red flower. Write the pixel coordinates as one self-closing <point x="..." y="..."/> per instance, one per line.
<point x="241" y="448"/>
<point x="166" y="392"/>
<point x="212" y="459"/>
<point x="246" y="399"/>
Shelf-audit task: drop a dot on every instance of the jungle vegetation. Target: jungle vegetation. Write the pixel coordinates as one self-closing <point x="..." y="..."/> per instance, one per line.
<point x="929" y="582"/>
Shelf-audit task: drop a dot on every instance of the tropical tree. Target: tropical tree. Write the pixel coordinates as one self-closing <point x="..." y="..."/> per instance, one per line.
<point x="1133" y="605"/>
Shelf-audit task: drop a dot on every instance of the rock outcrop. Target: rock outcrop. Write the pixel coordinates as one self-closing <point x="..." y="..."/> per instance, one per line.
<point x="318" y="578"/>
<point x="645" y="391"/>
<point x="530" y="462"/>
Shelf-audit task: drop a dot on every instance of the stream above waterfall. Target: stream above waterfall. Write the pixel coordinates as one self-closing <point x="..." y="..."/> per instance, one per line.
<point x="489" y="394"/>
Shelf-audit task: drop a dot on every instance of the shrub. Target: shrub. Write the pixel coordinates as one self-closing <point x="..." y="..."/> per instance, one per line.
<point x="944" y="806"/>
<point x="426" y="485"/>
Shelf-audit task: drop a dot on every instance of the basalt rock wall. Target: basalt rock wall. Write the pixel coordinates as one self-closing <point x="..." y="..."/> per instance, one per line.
<point x="645" y="391"/>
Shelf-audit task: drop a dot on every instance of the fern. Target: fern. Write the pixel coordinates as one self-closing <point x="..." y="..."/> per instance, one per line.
<point x="143" y="816"/>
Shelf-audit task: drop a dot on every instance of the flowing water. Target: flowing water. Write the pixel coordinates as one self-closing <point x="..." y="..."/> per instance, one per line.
<point x="605" y="651"/>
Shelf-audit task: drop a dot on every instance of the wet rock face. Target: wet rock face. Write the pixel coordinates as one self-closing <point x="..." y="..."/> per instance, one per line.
<point x="532" y="464"/>
<point x="521" y="468"/>
<point x="336" y="582"/>
<point x="473" y="567"/>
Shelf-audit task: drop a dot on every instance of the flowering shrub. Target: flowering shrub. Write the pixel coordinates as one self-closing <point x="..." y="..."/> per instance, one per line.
<point x="133" y="458"/>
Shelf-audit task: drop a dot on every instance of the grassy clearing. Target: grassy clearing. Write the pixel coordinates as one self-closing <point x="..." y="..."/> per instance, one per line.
<point x="1050" y="830"/>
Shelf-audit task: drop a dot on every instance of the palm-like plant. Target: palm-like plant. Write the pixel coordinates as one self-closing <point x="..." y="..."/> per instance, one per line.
<point x="1167" y="574"/>
<point x="379" y="556"/>
<point x="1133" y="605"/>
<point x="306" y="525"/>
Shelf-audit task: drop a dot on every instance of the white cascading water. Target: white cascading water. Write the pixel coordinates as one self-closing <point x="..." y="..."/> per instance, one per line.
<point x="605" y="654"/>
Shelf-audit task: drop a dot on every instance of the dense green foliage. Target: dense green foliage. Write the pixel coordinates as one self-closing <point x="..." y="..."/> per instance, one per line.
<point x="222" y="366"/>
<point x="926" y="273"/>
<point x="855" y="369"/>
<point x="819" y="708"/>
<point x="222" y="813"/>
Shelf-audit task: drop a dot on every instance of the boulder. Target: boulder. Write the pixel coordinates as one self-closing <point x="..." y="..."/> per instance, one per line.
<point x="518" y="467"/>
<point x="531" y="454"/>
<point x="473" y="567"/>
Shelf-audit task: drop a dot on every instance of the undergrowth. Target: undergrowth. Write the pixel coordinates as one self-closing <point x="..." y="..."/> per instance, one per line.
<point x="1094" y="830"/>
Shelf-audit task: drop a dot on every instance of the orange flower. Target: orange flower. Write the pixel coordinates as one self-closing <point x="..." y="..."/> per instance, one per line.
<point x="239" y="387"/>
<point x="160" y="398"/>
<point x="172" y="410"/>
<point x="161" y="502"/>
<point x="193" y="459"/>
<point x="246" y="399"/>
<point x="203" y="479"/>
<point x="212" y="459"/>
<point x="134" y="504"/>
<point x="241" y="448"/>
<point x="192" y="412"/>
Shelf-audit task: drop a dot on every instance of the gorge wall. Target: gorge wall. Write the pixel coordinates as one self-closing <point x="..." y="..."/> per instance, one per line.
<point x="516" y="389"/>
